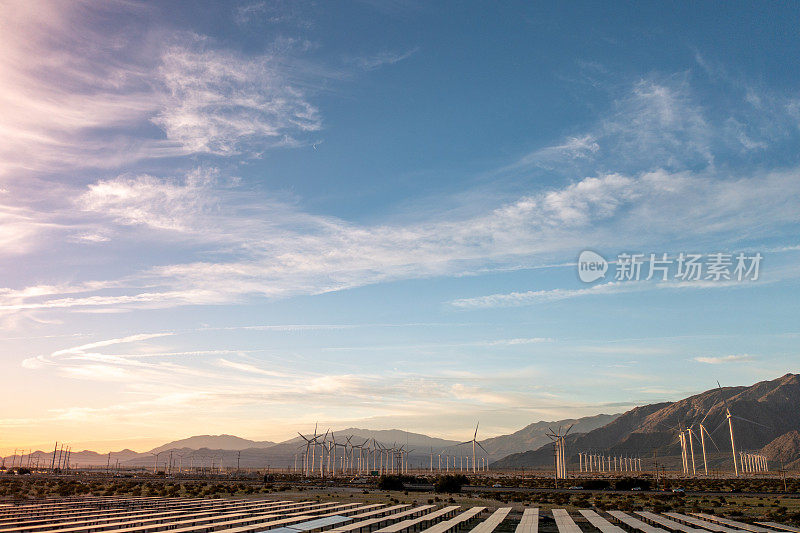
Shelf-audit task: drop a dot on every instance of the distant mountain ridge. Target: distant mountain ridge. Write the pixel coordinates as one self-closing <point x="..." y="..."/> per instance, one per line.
<point x="785" y="450"/>
<point x="650" y="429"/>
<point x="219" y="442"/>
<point x="534" y="436"/>
<point x="642" y="431"/>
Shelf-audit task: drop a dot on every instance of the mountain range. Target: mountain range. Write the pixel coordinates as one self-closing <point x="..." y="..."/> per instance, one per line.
<point x="217" y="442"/>
<point x="232" y="450"/>
<point x="766" y="419"/>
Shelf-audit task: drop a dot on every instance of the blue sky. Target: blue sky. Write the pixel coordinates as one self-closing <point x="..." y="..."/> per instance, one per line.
<point x="249" y="217"/>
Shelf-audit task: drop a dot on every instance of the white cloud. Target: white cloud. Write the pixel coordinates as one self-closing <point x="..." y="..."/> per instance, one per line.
<point x="81" y="352"/>
<point x="515" y="299"/>
<point x="724" y="359"/>
<point x="109" y="342"/>
<point x="273" y="249"/>
<point x="219" y="102"/>
<point x="383" y="58"/>
<point x="255" y="245"/>
<point x="79" y="92"/>
<point x="145" y="200"/>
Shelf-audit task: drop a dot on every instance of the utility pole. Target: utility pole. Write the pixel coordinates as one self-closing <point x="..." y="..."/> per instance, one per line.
<point x="783" y="474"/>
<point x="655" y="462"/>
<point x="238" y="456"/>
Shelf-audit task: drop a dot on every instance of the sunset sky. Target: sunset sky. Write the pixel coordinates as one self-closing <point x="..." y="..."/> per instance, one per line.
<point x="248" y="217"/>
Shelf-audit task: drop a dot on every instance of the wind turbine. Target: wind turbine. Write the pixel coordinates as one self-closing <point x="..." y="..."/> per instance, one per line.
<point x="474" y="441"/>
<point x="311" y="446"/>
<point x="703" y="433"/>
<point x="408" y="454"/>
<point x="560" y="451"/>
<point x="360" y="465"/>
<point x="729" y="418"/>
<point x="332" y="455"/>
<point x="690" y="433"/>
<point x="322" y="454"/>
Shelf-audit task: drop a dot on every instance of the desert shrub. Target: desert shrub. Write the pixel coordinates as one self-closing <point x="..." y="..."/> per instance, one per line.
<point x="390" y="482"/>
<point x="628" y="483"/>
<point x="596" y="484"/>
<point x="450" y="483"/>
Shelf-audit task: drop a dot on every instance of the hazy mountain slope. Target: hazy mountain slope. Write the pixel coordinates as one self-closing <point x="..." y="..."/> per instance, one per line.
<point x="601" y="438"/>
<point x="219" y="442"/>
<point x="784" y="449"/>
<point x="534" y="436"/>
<point x="391" y="436"/>
<point x="84" y="457"/>
<point x="651" y="428"/>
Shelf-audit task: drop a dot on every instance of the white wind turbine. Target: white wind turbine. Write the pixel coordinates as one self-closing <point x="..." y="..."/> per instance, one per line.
<point x="703" y="433"/>
<point x="729" y="419"/>
<point x="322" y="454"/>
<point x="360" y="447"/>
<point x="332" y="455"/>
<point x="474" y="442"/>
<point x="407" y="454"/>
<point x="311" y="446"/>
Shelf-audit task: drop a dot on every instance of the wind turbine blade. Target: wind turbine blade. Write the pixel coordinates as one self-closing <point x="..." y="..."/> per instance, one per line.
<point x="568" y="429"/>
<point x="717" y="428"/>
<point x="709" y="412"/>
<point x="465" y="442"/>
<point x="746" y="420"/>
<point x="481" y="445"/>
<point x="476" y="430"/>
<point x="712" y="440"/>
<point x="724" y="401"/>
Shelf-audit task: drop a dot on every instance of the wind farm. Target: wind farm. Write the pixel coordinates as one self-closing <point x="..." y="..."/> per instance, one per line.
<point x="392" y="266"/>
<point x="579" y="488"/>
<point x="672" y="440"/>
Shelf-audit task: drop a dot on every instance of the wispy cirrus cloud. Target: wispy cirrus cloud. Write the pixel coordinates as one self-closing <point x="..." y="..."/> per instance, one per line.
<point x="254" y="245"/>
<point x="382" y="58"/>
<point x="85" y="351"/>
<point x="238" y="382"/>
<point x="517" y="299"/>
<point x="70" y="103"/>
<point x="279" y="250"/>
<point x="719" y="360"/>
<point x="219" y="101"/>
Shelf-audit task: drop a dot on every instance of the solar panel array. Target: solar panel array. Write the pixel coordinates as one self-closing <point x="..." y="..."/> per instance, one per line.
<point x="195" y="515"/>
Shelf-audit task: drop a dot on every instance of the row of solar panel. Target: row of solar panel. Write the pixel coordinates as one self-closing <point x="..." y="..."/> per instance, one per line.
<point x="176" y="515"/>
